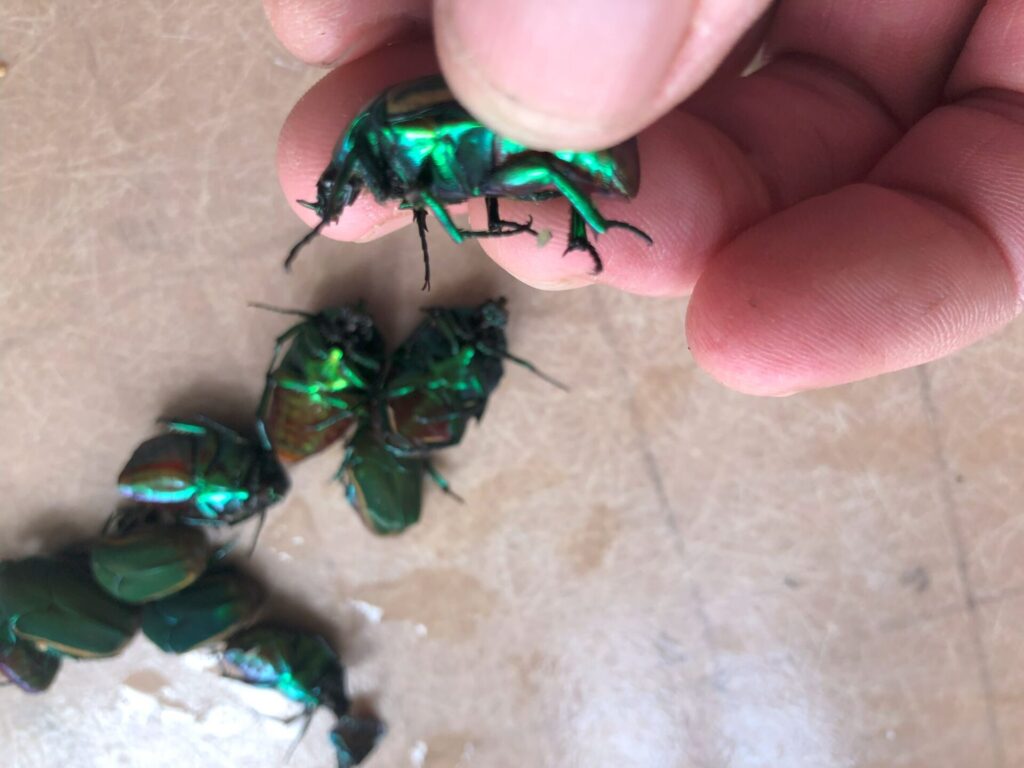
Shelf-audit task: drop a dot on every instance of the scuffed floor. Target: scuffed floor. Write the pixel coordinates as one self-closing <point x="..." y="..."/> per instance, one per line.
<point x="650" y="571"/>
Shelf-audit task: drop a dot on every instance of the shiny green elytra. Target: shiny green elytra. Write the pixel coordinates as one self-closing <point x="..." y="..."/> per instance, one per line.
<point x="27" y="667"/>
<point x="54" y="603"/>
<point x="212" y="474"/>
<point x="355" y="737"/>
<point x="386" y="490"/>
<point x="300" y="665"/>
<point x="323" y="383"/>
<point x="442" y="376"/>
<point x="416" y="144"/>
<point x="219" y="603"/>
<point x="149" y="563"/>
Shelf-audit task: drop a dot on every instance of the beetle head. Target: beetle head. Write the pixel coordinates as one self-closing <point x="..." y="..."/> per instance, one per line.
<point x="493" y="313"/>
<point x="336" y="189"/>
<point x="274" y="482"/>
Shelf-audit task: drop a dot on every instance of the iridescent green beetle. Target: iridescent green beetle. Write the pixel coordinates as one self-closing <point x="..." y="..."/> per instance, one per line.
<point x="416" y="144"/>
<point x="303" y="667"/>
<point x="323" y="383"/>
<point x="442" y="376"/>
<point x="300" y="665"/>
<point x="213" y="474"/>
<point x="53" y="603"/>
<point x="140" y="558"/>
<point x="385" y="490"/>
<point x="27" y="667"/>
<point x="219" y="603"/>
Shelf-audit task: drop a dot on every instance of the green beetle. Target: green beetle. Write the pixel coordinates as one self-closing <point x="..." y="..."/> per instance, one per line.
<point x="303" y="667"/>
<point x="139" y="558"/>
<point x="53" y="603"/>
<point x="324" y="381"/>
<point x="219" y="603"/>
<point x="442" y="376"/>
<point x="300" y="665"/>
<point x="27" y="667"/>
<point x="386" y="490"/>
<point x="416" y="144"/>
<point x="209" y="473"/>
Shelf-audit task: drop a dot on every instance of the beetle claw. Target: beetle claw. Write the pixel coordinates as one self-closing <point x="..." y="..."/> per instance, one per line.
<point x="585" y="245"/>
<point x="503" y="229"/>
<point x="627" y="226"/>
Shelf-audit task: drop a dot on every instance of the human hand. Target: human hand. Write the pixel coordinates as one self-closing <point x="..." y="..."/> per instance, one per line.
<point x="852" y="208"/>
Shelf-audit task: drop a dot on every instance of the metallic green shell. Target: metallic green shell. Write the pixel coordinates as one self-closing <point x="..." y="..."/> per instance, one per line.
<point x="213" y="607"/>
<point x="150" y="563"/>
<point x="27" y="667"/>
<point x="386" y="490"/>
<point x="419" y="125"/>
<point x="301" y="665"/>
<point x="55" y="604"/>
<point x="214" y="474"/>
<point x="442" y="376"/>
<point x="324" y="381"/>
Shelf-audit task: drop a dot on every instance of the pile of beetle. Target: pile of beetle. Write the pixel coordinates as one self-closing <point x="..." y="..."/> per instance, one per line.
<point x="330" y="380"/>
<point x="150" y="567"/>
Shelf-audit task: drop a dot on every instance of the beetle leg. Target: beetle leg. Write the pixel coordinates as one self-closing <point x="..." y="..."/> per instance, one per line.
<point x="438" y="478"/>
<point x="497" y="226"/>
<point x="259" y="530"/>
<point x="584" y="212"/>
<point x="184" y="427"/>
<point x="578" y="240"/>
<point x="420" y="217"/>
<point x="442" y="216"/>
<point x="524" y="364"/>
<point x="330" y="421"/>
<point x="307" y="717"/>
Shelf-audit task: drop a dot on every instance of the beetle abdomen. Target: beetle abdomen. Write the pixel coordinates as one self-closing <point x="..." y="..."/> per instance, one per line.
<point x="298" y="427"/>
<point x="161" y="471"/>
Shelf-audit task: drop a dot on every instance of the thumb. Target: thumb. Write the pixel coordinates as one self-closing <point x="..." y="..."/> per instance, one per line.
<point x="582" y="74"/>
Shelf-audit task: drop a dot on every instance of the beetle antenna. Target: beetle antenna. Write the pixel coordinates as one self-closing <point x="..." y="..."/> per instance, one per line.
<point x="442" y="483"/>
<point x="535" y="371"/>
<point x="307" y="718"/>
<point x="281" y="310"/>
<point x="303" y="242"/>
<point x="259" y="530"/>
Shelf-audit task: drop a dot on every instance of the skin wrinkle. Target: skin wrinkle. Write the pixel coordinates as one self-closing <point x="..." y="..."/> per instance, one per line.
<point x="836" y="73"/>
<point x="957" y="208"/>
<point x="948" y="208"/>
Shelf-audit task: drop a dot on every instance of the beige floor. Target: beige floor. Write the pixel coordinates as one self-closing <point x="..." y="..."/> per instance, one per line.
<point x="652" y="571"/>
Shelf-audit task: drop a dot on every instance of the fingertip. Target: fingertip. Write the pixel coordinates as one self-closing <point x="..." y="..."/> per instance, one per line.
<point x="717" y="338"/>
<point x="557" y="76"/>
